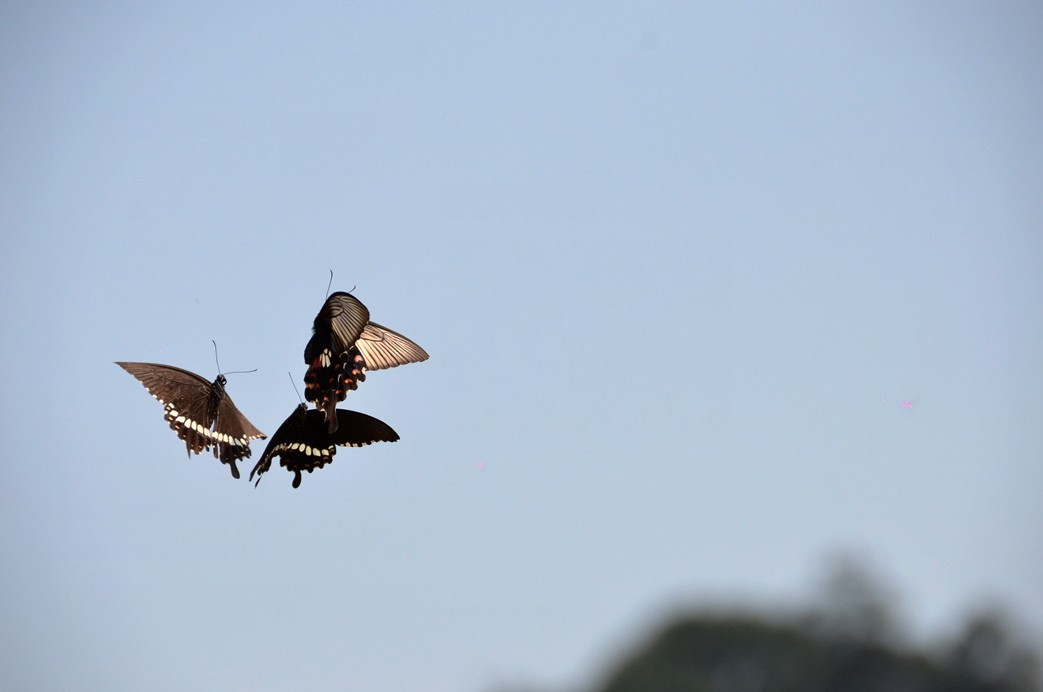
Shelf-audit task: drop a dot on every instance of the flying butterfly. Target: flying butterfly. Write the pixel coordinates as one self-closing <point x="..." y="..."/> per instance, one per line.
<point x="303" y="442"/>
<point x="343" y="346"/>
<point x="200" y="412"/>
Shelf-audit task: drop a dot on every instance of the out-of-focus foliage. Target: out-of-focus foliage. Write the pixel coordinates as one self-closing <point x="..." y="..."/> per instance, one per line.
<point x="849" y="642"/>
<point x="988" y="656"/>
<point x="738" y="654"/>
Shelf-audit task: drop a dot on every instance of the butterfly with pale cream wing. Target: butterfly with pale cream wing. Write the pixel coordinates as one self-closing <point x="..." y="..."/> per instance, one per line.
<point x="200" y="412"/>
<point x="344" y="345"/>
<point x="304" y="443"/>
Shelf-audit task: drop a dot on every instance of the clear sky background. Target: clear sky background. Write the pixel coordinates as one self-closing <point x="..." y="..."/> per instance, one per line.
<point x="677" y="266"/>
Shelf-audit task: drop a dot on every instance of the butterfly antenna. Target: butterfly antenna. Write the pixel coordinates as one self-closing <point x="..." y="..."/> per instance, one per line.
<point x="215" y="356"/>
<point x="330" y="285"/>
<point x="233" y="372"/>
<point x="294" y="386"/>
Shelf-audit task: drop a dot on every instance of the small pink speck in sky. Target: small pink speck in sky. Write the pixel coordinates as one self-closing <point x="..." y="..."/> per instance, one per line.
<point x="480" y="465"/>
<point x="907" y="404"/>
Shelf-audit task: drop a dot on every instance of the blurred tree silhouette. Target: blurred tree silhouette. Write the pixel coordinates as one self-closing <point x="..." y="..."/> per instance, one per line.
<point x="854" y="605"/>
<point x="849" y="642"/>
<point x="988" y="657"/>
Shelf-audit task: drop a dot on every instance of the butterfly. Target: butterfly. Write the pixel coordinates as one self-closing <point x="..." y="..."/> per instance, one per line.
<point x="303" y="442"/>
<point x="343" y="346"/>
<point x="200" y="412"/>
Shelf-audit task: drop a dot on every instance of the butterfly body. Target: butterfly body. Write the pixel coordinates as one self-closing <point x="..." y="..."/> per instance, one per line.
<point x="200" y="412"/>
<point x="343" y="346"/>
<point x="304" y="443"/>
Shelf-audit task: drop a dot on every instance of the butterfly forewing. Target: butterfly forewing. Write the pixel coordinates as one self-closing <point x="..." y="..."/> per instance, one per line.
<point x="185" y="397"/>
<point x="164" y="382"/>
<point x="338" y="324"/>
<point x="356" y="429"/>
<point x="283" y="436"/>
<point x="231" y="421"/>
<point x="304" y="443"/>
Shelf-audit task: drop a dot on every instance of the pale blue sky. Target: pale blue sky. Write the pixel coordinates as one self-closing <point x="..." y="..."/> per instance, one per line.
<point x="676" y="265"/>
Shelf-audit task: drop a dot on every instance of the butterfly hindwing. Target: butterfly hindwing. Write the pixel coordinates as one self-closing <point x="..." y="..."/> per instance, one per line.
<point x="233" y="433"/>
<point x="303" y="442"/>
<point x="331" y="376"/>
<point x="382" y="348"/>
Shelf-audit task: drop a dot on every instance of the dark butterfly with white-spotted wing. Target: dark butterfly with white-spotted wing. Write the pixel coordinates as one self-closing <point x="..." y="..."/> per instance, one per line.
<point x="200" y="412"/>
<point x="303" y="442"/>
<point x="344" y="345"/>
